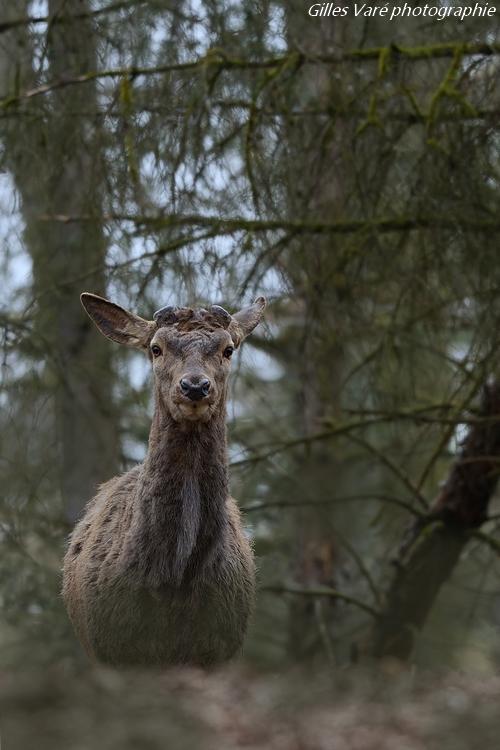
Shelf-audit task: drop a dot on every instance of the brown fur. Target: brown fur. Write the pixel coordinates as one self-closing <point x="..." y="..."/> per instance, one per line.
<point x="158" y="571"/>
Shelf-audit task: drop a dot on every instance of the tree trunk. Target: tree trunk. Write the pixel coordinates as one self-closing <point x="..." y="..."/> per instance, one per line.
<point x="57" y="169"/>
<point x="319" y="361"/>
<point x="434" y="544"/>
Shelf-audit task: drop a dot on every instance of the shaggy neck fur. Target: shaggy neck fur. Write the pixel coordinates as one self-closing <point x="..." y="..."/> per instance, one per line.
<point x="180" y="507"/>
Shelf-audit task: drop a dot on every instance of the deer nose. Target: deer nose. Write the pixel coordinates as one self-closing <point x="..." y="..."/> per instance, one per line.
<point x="195" y="391"/>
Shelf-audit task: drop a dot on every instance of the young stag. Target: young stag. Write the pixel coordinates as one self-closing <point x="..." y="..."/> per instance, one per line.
<point x="158" y="571"/>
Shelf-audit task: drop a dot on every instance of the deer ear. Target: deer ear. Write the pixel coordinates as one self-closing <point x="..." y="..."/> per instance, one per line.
<point x="246" y="319"/>
<point x="116" y="323"/>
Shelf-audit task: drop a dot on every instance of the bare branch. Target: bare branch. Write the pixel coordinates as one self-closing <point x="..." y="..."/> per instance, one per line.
<point x="17" y="23"/>
<point x="391" y="500"/>
<point x="218" y="60"/>
<point x="319" y="591"/>
<point x="224" y="226"/>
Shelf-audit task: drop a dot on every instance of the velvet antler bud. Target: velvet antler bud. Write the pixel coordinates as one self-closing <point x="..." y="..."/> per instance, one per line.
<point x="165" y="316"/>
<point x="222" y="316"/>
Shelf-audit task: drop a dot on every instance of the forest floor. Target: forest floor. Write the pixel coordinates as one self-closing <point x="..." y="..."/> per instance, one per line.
<point x="102" y="709"/>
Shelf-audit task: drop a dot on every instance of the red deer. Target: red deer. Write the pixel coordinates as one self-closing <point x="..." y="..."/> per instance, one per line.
<point x="159" y="571"/>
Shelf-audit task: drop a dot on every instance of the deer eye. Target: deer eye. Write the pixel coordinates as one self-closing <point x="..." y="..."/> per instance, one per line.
<point x="228" y="352"/>
<point x="155" y="350"/>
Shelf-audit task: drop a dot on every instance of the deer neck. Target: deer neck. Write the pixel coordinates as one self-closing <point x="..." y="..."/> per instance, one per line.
<point x="180" y="504"/>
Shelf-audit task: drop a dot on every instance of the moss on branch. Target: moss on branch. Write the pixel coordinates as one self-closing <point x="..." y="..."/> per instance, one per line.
<point x="220" y="60"/>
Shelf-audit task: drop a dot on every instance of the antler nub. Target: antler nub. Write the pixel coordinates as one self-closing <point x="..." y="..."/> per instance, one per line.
<point x="165" y="316"/>
<point x="222" y="316"/>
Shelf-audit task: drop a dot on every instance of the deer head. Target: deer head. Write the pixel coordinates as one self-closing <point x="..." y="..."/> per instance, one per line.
<point x="190" y="350"/>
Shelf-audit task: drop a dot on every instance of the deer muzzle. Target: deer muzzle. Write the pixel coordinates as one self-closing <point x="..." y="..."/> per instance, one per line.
<point x="195" y="391"/>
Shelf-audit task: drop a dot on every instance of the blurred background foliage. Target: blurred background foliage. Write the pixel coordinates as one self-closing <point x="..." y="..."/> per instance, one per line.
<point x="172" y="152"/>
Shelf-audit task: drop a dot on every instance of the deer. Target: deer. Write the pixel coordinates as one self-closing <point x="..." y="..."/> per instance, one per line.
<point x="159" y="571"/>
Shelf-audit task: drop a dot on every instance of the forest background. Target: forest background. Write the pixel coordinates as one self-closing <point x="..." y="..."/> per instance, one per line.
<point x="172" y="152"/>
